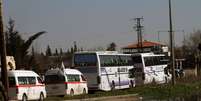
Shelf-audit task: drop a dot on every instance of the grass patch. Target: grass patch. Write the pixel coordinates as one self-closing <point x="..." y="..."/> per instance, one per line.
<point x="162" y="91"/>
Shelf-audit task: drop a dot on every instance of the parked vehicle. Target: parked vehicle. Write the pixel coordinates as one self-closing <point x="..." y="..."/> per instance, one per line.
<point x="150" y="67"/>
<point x="105" y="70"/>
<point x="25" y="85"/>
<point x="65" y="82"/>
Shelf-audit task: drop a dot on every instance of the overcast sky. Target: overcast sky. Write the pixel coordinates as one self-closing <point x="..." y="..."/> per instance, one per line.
<point x="96" y="23"/>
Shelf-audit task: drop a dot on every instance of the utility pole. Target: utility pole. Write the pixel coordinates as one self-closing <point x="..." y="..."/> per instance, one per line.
<point x="4" y="74"/>
<point x="172" y="59"/>
<point x="139" y="28"/>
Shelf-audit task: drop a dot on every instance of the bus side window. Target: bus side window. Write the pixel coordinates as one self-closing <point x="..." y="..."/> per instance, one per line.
<point x="22" y="80"/>
<point x="77" y="78"/>
<point x="83" y="78"/>
<point x="73" y="78"/>
<point x="31" y="80"/>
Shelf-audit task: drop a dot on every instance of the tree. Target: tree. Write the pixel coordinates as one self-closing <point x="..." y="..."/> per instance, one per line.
<point x="71" y="50"/>
<point x="190" y="46"/>
<point x="48" y="51"/>
<point x="111" y="47"/>
<point x="16" y="46"/>
<point x="61" y="51"/>
<point x="56" y="52"/>
<point x="75" y="47"/>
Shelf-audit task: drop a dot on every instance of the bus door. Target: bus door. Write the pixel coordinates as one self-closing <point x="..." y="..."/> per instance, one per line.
<point x="91" y="74"/>
<point x="32" y="92"/>
<point x="13" y="89"/>
<point x="87" y="64"/>
<point x="55" y="84"/>
<point x="74" y="82"/>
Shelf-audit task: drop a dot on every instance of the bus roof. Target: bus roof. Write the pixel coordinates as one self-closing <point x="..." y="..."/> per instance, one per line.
<point x="147" y="54"/>
<point x="72" y="71"/>
<point x="102" y="52"/>
<point x="59" y="71"/>
<point x="22" y="73"/>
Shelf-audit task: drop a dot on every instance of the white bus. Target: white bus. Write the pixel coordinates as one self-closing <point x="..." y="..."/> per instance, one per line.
<point x="150" y="67"/>
<point x="65" y="82"/>
<point x="106" y="70"/>
<point x="25" y="85"/>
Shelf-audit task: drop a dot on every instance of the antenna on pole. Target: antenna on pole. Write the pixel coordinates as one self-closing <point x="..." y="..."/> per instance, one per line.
<point x="138" y="27"/>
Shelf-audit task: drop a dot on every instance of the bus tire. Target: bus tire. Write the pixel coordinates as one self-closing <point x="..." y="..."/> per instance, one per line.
<point x="84" y="91"/>
<point x="71" y="92"/>
<point x="41" y="97"/>
<point x="113" y="86"/>
<point x="24" y="97"/>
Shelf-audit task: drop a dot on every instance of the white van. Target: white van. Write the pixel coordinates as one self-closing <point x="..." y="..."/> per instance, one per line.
<point x="65" y="82"/>
<point x="25" y="85"/>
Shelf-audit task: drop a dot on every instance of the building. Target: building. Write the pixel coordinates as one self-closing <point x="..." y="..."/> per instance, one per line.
<point x="147" y="46"/>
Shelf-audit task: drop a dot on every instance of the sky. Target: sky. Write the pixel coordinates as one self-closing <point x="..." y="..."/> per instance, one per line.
<point x="97" y="23"/>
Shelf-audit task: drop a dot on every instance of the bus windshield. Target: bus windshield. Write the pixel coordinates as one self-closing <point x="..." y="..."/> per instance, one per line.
<point x="52" y="79"/>
<point x="85" y="59"/>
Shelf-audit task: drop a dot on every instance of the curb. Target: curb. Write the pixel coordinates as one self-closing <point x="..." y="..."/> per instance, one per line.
<point x="108" y="98"/>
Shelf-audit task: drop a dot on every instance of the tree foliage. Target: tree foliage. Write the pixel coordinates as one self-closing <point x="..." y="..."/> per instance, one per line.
<point x="56" y="52"/>
<point x="48" y="51"/>
<point x="16" y="45"/>
<point x="190" y="46"/>
<point x="61" y="51"/>
<point x="112" y="47"/>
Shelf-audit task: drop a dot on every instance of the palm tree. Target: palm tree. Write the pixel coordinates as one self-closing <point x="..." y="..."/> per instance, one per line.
<point x="16" y="46"/>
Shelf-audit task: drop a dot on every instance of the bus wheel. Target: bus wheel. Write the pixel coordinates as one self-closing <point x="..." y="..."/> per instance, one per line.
<point x="113" y="86"/>
<point x="71" y="92"/>
<point x="84" y="91"/>
<point x="24" y="97"/>
<point x="41" y="97"/>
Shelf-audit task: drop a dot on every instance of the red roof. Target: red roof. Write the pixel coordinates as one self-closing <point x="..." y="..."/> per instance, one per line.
<point x="144" y="44"/>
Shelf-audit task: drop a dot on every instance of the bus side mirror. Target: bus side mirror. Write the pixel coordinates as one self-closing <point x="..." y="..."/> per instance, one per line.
<point x="83" y="78"/>
<point x="43" y="81"/>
